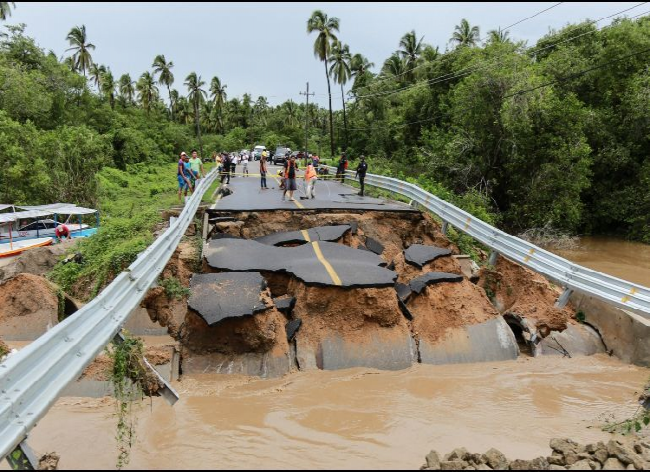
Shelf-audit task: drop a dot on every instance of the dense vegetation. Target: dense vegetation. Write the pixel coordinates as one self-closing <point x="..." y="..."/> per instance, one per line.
<point x="554" y="134"/>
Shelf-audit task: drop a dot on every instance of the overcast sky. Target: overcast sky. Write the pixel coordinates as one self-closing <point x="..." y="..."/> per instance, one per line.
<point x="264" y="49"/>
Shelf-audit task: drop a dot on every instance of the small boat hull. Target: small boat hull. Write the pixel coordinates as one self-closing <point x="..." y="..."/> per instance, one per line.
<point x="8" y="250"/>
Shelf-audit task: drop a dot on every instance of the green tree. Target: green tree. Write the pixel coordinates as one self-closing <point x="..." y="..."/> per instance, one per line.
<point x="498" y="36"/>
<point x="79" y="44"/>
<point x="108" y="87"/>
<point x="5" y="9"/>
<point x="96" y="73"/>
<point x="360" y="66"/>
<point x="219" y="97"/>
<point x="147" y="91"/>
<point x="165" y="77"/>
<point x="410" y="51"/>
<point x="127" y="89"/>
<point x="341" y="71"/>
<point x="325" y="27"/>
<point x="465" y="35"/>
<point x="196" y="96"/>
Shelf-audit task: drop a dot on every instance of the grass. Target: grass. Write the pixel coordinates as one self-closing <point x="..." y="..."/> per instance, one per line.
<point x="130" y="204"/>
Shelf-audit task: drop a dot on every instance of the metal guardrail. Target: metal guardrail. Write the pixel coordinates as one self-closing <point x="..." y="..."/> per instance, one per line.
<point x="572" y="276"/>
<point x="32" y="379"/>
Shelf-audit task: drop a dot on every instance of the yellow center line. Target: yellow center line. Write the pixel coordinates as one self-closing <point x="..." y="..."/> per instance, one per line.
<point x="305" y="235"/>
<point x="298" y="204"/>
<point x="328" y="267"/>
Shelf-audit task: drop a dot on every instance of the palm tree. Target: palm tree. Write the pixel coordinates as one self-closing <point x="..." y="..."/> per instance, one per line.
<point x="465" y="35"/>
<point x="196" y="96"/>
<point x="411" y="49"/>
<point x="325" y="27"/>
<point x="359" y="65"/>
<point x="260" y="109"/>
<point x="498" y="36"/>
<point x="394" y="66"/>
<point x="108" y="87"/>
<point x="147" y="90"/>
<point x="291" y="112"/>
<point x="164" y="69"/>
<point x="5" y="9"/>
<point x="219" y="96"/>
<point x="126" y="88"/>
<point x="79" y="44"/>
<point x="96" y="73"/>
<point x="340" y="70"/>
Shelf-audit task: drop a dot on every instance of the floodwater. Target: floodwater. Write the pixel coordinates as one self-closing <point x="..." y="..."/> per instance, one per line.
<point x="357" y="419"/>
<point x="623" y="259"/>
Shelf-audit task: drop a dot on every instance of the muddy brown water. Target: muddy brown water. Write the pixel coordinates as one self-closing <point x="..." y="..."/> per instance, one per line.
<point x="623" y="259"/>
<point x="358" y="418"/>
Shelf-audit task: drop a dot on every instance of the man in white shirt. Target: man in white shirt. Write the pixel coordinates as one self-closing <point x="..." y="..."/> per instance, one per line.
<point x="244" y="160"/>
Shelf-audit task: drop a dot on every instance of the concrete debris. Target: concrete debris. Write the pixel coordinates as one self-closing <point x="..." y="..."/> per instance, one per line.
<point x="419" y="255"/>
<point x="567" y="455"/>
<point x="374" y="246"/>
<point x="285" y="305"/>
<point x="418" y="284"/>
<point x="292" y="328"/>
<point x="216" y="297"/>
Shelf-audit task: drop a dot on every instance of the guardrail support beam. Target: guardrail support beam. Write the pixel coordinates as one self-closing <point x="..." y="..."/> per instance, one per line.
<point x="492" y="260"/>
<point x="564" y="298"/>
<point x="445" y="227"/>
<point x="23" y="458"/>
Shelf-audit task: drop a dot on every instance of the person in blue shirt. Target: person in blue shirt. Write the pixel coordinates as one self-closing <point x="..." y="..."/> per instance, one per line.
<point x="183" y="174"/>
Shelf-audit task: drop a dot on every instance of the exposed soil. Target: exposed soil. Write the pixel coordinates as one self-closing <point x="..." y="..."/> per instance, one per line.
<point x="37" y="261"/>
<point x="183" y="263"/>
<point x="49" y="461"/>
<point x="101" y="368"/>
<point x="518" y="290"/>
<point x="4" y="349"/>
<point x="168" y="313"/>
<point x="445" y="306"/>
<point x="29" y="305"/>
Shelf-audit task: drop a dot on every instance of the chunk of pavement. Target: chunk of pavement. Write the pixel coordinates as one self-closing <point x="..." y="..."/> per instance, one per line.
<point x="418" y="284"/>
<point x="285" y="304"/>
<point x="391" y="266"/>
<point x="321" y="233"/>
<point x="224" y="236"/>
<point x="374" y="246"/>
<point x="354" y="227"/>
<point x="292" y="328"/>
<point x="403" y="291"/>
<point x="419" y="255"/>
<point x="216" y="297"/>
<point x="316" y="263"/>
<point x="220" y="219"/>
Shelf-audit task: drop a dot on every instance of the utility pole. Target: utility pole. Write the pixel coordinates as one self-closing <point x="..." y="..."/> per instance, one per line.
<point x="307" y="94"/>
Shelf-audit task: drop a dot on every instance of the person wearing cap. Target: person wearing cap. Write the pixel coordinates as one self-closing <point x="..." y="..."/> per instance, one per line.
<point x="362" y="168"/>
<point x="340" y="170"/>
<point x="310" y="179"/>
<point x="62" y="231"/>
<point x="183" y="174"/>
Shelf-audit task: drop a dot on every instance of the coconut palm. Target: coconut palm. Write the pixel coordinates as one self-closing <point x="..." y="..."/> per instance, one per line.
<point x="394" y="66"/>
<point x="147" y="90"/>
<point x="165" y="77"/>
<point x="108" y="86"/>
<point x="260" y="110"/>
<point x="218" y="96"/>
<point x="411" y="50"/>
<point x="96" y="73"/>
<point x="79" y="44"/>
<point x="325" y="27"/>
<point x="359" y="65"/>
<point x="290" y="113"/>
<point x="196" y="96"/>
<point x="126" y="88"/>
<point x="5" y="9"/>
<point x="498" y="36"/>
<point x="465" y="35"/>
<point x="341" y="71"/>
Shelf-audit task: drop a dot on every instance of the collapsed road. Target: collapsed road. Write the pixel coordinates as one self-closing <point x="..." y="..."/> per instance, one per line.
<point x="345" y="281"/>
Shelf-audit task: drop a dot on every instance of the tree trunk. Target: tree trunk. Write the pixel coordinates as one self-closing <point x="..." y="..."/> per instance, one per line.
<point x="329" y="92"/>
<point x="345" y="120"/>
<point x="198" y="127"/>
<point x="171" y="103"/>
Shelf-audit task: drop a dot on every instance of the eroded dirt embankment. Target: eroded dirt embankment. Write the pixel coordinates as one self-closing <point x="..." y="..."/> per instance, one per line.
<point x="338" y="323"/>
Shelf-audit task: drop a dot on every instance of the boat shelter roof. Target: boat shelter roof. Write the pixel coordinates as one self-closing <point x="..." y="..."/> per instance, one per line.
<point x="19" y="215"/>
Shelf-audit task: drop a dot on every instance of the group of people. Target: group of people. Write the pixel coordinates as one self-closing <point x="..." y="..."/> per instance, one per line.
<point x="189" y="171"/>
<point x="361" y="171"/>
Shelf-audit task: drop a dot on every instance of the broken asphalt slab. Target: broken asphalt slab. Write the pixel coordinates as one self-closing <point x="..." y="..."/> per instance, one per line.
<point x="322" y="233"/>
<point x="285" y="305"/>
<point x="216" y="297"/>
<point x="418" y="284"/>
<point x="317" y="263"/>
<point x="419" y="255"/>
<point x="374" y="246"/>
<point x="292" y="328"/>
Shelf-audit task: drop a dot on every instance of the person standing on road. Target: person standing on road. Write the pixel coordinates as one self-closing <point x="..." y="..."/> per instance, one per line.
<point x="226" y="167"/>
<point x="362" y="168"/>
<point x="182" y="175"/>
<point x="263" y="171"/>
<point x="343" y="165"/>
<point x="310" y="180"/>
<point x="197" y="165"/>
<point x="244" y="159"/>
<point x="290" y="181"/>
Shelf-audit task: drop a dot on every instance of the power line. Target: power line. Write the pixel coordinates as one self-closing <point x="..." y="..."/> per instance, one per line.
<point x="466" y="71"/>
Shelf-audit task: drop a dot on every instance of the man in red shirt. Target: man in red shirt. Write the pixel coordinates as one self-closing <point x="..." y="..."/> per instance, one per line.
<point x="61" y="231"/>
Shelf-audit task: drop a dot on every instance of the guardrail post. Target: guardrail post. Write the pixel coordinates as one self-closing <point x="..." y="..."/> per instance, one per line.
<point x="564" y="298"/>
<point x="492" y="260"/>
<point x="445" y="227"/>
<point x="23" y="458"/>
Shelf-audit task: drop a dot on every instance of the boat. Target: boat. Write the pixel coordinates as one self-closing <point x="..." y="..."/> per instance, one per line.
<point x="43" y="227"/>
<point x="14" y="248"/>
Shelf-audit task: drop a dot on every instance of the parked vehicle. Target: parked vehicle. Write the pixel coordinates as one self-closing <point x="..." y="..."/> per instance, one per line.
<point x="257" y="152"/>
<point x="281" y="154"/>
